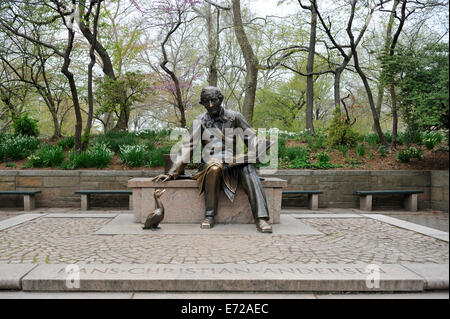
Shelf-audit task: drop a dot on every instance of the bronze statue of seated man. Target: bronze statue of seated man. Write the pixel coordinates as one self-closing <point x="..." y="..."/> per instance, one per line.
<point x="215" y="172"/>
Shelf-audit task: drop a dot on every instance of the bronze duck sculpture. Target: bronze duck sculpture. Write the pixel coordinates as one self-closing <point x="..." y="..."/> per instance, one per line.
<point x="157" y="215"/>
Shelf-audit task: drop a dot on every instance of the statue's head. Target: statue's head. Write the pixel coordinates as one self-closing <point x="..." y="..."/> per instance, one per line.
<point x="211" y="98"/>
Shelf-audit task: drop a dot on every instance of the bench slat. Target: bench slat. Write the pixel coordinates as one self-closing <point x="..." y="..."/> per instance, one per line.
<point x="87" y="192"/>
<point x="19" y="192"/>
<point x="387" y="192"/>
<point x="302" y="192"/>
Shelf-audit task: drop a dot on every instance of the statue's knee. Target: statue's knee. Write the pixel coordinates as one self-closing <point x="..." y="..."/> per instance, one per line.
<point x="214" y="170"/>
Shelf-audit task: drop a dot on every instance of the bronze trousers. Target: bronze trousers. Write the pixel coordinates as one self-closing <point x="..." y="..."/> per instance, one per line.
<point x="248" y="180"/>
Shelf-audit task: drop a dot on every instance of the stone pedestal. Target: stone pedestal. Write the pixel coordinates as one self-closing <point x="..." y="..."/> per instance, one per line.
<point x="365" y="202"/>
<point x="411" y="202"/>
<point x="29" y="202"/>
<point x="183" y="204"/>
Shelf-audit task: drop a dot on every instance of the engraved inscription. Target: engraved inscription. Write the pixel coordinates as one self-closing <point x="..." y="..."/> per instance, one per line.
<point x="219" y="269"/>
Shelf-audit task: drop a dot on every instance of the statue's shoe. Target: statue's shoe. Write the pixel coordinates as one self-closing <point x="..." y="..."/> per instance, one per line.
<point x="207" y="223"/>
<point x="263" y="226"/>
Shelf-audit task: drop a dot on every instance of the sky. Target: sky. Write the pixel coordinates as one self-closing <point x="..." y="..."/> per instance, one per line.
<point x="269" y="7"/>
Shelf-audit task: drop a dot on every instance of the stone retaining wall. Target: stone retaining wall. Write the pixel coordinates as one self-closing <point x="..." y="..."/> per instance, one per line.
<point x="58" y="186"/>
<point x="339" y="187"/>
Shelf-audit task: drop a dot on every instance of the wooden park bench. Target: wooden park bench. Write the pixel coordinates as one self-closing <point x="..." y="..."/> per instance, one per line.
<point x="313" y="197"/>
<point x="86" y="196"/>
<point x="410" y="200"/>
<point x="28" y="197"/>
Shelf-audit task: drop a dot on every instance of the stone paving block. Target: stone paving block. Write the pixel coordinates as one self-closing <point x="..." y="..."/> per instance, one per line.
<point x="224" y="277"/>
<point x="435" y="275"/>
<point x="350" y="215"/>
<point x="80" y="215"/>
<point x="12" y="274"/>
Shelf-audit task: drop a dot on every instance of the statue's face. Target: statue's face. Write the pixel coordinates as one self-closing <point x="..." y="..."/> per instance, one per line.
<point x="211" y="99"/>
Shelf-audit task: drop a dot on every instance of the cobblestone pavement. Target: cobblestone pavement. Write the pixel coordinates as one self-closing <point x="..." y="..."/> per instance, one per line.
<point x="72" y="240"/>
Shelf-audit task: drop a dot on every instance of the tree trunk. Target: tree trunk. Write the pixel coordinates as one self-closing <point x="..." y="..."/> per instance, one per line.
<point x="107" y="67"/>
<point x="73" y="90"/>
<point x="90" y="75"/>
<point x="386" y="47"/>
<point x="56" y="127"/>
<point x="337" y="87"/>
<point x="376" y="121"/>
<point x="251" y="62"/>
<point x="310" y="69"/>
<point x="213" y="41"/>
<point x="394" y="116"/>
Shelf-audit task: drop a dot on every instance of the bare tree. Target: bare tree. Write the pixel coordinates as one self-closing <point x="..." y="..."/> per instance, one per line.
<point x="310" y="65"/>
<point x="86" y="17"/>
<point x="65" y="11"/>
<point x="361" y="72"/>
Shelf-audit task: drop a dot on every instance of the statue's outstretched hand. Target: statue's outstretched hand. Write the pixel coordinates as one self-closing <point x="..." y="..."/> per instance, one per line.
<point x="162" y="178"/>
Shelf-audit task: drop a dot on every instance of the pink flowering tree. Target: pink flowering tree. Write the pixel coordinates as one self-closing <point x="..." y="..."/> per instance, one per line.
<point x="168" y="16"/>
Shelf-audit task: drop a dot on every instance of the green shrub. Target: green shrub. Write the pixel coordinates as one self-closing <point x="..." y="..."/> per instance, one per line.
<point x="354" y="163"/>
<point x="154" y="134"/>
<point x="156" y="157"/>
<point x="282" y="153"/>
<point x="134" y="155"/>
<point x="24" y="125"/>
<point x="388" y="136"/>
<point x="300" y="163"/>
<point x="99" y="156"/>
<point x="10" y="164"/>
<point x="409" y="137"/>
<point x="430" y="140"/>
<point x="382" y="150"/>
<point x="361" y="150"/>
<point x="47" y="156"/>
<point x="316" y="142"/>
<point x="416" y="152"/>
<point x="19" y="147"/>
<point x="340" y="132"/>
<point x="323" y="157"/>
<point x="77" y="160"/>
<point x="150" y="145"/>
<point x="115" y="139"/>
<point x="343" y="149"/>
<point x="372" y="139"/>
<point x="405" y="155"/>
<point x="296" y="152"/>
<point x="67" y="142"/>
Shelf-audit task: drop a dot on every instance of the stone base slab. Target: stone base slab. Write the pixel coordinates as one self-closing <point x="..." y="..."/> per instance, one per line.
<point x="123" y="225"/>
<point x="11" y="275"/>
<point x="222" y="277"/>
<point x="184" y="205"/>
